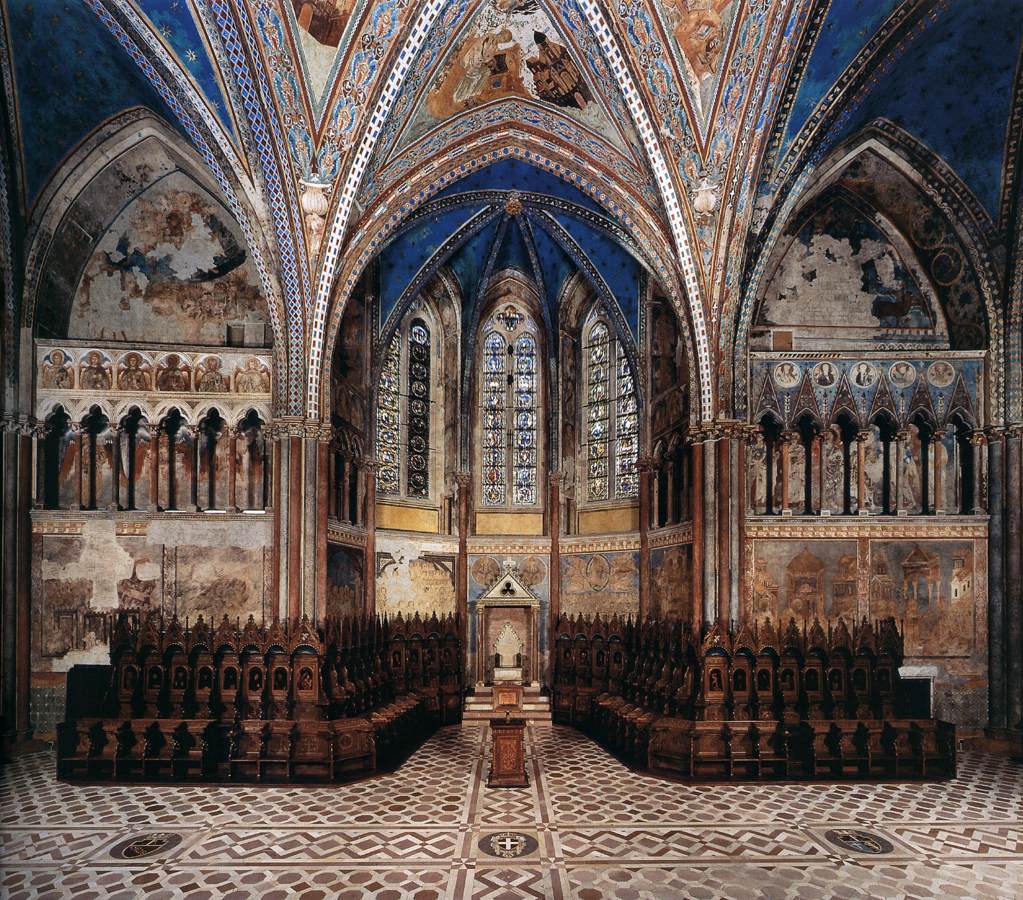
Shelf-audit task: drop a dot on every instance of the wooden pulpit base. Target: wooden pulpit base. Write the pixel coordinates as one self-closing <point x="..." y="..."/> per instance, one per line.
<point x="508" y="764"/>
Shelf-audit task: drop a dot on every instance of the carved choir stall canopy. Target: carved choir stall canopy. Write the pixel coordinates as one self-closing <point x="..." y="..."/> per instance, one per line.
<point x="507" y="633"/>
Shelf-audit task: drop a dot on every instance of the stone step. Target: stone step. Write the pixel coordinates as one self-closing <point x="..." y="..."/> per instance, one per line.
<point x="537" y="717"/>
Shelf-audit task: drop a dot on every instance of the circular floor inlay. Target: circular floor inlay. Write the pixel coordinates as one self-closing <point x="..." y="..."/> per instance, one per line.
<point x="145" y="845"/>
<point x="859" y="841"/>
<point x="508" y="844"/>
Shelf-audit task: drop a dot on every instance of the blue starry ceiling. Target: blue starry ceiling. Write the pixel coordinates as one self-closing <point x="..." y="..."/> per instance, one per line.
<point x="71" y="75"/>
<point x="849" y="25"/>
<point x="468" y="229"/>
<point x="950" y="87"/>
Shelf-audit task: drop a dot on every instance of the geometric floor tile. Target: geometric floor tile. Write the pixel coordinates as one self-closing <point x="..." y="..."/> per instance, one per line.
<point x="586" y="827"/>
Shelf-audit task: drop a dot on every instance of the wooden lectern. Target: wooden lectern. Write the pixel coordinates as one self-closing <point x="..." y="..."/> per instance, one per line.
<point x="508" y="764"/>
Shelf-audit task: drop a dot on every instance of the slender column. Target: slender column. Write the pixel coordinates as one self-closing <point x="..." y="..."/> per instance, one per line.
<point x="554" y="482"/>
<point x="324" y="466"/>
<point x="723" y="496"/>
<point x="1014" y="576"/>
<point x="370" y="488"/>
<point x="278" y="492"/>
<point x="671" y="513"/>
<point x="232" y="471"/>
<point x="39" y="436"/>
<point x="345" y="513"/>
<point x="996" y="581"/>
<point x="819" y="461"/>
<point x="115" y="468"/>
<point x="79" y="453"/>
<point x="978" y="441"/>
<point x="698" y="513"/>
<point x="464" y="491"/>
<point x="295" y="509"/>
<point x="938" y="454"/>
<point x="788" y="438"/>
<point x="193" y="501"/>
<point x="710" y="530"/>
<point x="861" y="472"/>
<point x="154" y="468"/>
<point x="645" y="468"/>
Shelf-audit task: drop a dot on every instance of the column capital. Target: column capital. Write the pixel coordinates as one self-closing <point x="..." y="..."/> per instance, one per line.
<point x="978" y="438"/>
<point x="646" y="464"/>
<point x="863" y="436"/>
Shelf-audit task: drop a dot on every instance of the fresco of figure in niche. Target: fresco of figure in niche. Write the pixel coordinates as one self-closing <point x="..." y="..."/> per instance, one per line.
<point x="173" y="374"/>
<point x="841" y="282"/>
<point x="254" y="378"/>
<point x="911" y="482"/>
<point x="172" y="262"/>
<point x="134" y="373"/>
<point x="833" y="461"/>
<point x="95" y="372"/>
<point x="873" y="470"/>
<point x="756" y="476"/>
<point x="210" y="378"/>
<point x="57" y="372"/>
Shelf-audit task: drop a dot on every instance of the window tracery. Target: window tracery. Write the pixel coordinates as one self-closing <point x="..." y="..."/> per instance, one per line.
<point x="509" y="387"/>
<point x="611" y="417"/>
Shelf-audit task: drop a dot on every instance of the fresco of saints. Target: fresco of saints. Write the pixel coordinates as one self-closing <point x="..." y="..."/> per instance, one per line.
<point x="133" y="377"/>
<point x="173" y="377"/>
<point x="212" y="379"/>
<point x="556" y="77"/>
<point x="57" y="372"/>
<point x="95" y="374"/>
<point x="699" y="28"/>
<point x="253" y="379"/>
<point x="485" y="67"/>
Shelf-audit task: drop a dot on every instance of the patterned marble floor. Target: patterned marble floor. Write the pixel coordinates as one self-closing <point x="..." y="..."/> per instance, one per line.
<point x="586" y="827"/>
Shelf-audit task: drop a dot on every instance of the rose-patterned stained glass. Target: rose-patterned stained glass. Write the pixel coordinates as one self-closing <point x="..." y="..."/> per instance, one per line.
<point x="524" y="489"/>
<point x="417" y="459"/>
<point x="597" y="409"/>
<point x="493" y="390"/>
<point x="626" y="430"/>
<point x="388" y="421"/>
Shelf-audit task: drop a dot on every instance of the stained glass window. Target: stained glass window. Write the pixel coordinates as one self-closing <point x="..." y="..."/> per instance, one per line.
<point x="626" y="431"/>
<point x="417" y="462"/>
<point x="509" y="410"/>
<point x="597" y="424"/>
<point x="524" y="492"/>
<point x="611" y="418"/>
<point x="493" y="389"/>
<point x="388" y="420"/>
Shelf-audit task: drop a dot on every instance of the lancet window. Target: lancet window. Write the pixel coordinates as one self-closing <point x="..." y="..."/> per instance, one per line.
<point x="509" y="389"/>
<point x="611" y="420"/>
<point x="404" y="412"/>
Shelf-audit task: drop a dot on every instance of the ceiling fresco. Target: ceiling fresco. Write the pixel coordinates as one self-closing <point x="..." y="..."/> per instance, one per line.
<point x="702" y="119"/>
<point x="478" y="232"/>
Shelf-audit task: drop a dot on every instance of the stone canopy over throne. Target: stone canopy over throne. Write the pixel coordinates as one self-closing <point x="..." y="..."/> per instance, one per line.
<point x="507" y="633"/>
